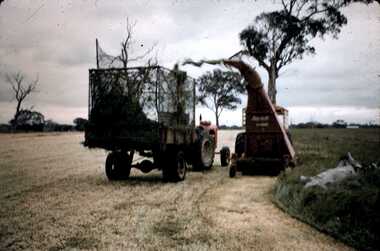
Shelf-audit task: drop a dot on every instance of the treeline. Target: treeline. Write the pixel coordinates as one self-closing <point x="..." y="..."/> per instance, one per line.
<point x="336" y="124"/>
<point x="233" y="127"/>
<point x="33" y="121"/>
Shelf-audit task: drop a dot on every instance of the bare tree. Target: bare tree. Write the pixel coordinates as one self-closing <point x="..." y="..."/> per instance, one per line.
<point x="127" y="46"/>
<point x="21" y="89"/>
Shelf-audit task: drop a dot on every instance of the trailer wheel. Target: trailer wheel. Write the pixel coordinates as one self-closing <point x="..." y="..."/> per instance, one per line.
<point x="176" y="168"/>
<point x="179" y="170"/>
<point x="240" y="144"/>
<point x="205" y="152"/>
<point x="225" y="156"/>
<point x="118" y="166"/>
<point x="112" y="166"/>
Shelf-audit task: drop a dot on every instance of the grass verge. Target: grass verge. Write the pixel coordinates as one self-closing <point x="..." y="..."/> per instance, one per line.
<point x="349" y="211"/>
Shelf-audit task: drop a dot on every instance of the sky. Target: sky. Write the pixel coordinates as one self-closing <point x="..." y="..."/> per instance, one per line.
<point x="55" y="40"/>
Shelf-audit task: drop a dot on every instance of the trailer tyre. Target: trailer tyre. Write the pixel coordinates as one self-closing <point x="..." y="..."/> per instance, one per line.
<point x="225" y="156"/>
<point x="118" y="166"/>
<point x="180" y="168"/>
<point x="112" y="166"/>
<point x="176" y="168"/>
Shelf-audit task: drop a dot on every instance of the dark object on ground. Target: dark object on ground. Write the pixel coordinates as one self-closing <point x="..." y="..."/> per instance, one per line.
<point x="347" y="167"/>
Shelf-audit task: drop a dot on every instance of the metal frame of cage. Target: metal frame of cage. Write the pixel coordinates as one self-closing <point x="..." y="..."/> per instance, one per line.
<point x="165" y="101"/>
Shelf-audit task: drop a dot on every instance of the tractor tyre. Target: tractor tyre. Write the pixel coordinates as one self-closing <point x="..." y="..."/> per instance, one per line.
<point x="225" y="156"/>
<point x="240" y="144"/>
<point x="204" y="152"/>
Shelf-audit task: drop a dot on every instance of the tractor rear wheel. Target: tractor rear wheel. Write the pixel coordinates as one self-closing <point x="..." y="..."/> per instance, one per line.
<point x="204" y="152"/>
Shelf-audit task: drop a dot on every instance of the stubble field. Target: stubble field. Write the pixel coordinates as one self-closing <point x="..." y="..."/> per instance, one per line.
<point x="54" y="195"/>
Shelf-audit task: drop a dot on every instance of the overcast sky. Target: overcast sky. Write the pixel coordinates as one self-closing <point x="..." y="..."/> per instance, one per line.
<point x="55" y="40"/>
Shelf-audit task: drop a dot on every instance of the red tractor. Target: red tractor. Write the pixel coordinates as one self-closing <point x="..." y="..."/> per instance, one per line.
<point x="208" y="149"/>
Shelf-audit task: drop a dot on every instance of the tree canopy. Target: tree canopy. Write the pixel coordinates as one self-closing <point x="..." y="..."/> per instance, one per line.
<point x="277" y="38"/>
<point x="219" y="90"/>
<point x="79" y="124"/>
<point x="28" y="120"/>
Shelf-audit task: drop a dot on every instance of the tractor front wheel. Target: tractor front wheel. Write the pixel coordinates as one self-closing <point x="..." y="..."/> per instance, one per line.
<point x="225" y="156"/>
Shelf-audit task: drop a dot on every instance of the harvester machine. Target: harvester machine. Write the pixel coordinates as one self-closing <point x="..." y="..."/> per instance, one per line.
<point x="264" y="147"/>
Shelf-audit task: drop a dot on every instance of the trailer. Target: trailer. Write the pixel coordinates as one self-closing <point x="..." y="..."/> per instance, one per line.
<point x="147" y="110"/>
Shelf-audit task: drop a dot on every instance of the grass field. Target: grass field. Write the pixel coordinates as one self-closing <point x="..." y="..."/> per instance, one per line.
<point x="54" y="195"/>
<point x="349" y="211"/>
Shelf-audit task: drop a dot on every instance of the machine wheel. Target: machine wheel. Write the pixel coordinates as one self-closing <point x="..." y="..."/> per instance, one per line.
<point x="118" y="166"/>
<point x="232" y="171"/>
<point x="176" y="168"/>
<point x="225" y="156"/>
<point x="240" y="144"/>
<point x="204" y="152"/>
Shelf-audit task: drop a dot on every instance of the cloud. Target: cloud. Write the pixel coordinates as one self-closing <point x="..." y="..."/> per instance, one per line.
<point x="56" y="40"/>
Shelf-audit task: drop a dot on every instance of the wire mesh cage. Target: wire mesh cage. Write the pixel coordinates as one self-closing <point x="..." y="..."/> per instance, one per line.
<point x="132" y="104"/>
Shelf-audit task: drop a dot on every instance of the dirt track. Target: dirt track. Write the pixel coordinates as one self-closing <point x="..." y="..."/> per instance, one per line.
<point x="54" y="195"/>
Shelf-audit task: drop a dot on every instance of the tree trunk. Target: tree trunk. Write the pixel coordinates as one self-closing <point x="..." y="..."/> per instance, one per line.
<point x="217" y="118"/>
<point x="272" y="91"/>
<point x="217" y="114"/>
<point x="17" y="110"/>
